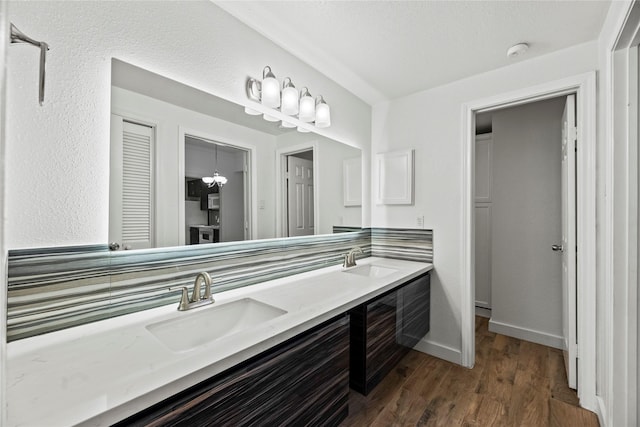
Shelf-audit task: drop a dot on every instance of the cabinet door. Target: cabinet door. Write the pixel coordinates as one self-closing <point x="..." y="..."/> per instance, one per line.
<point x="304" y="381"/>
<point x="384" y="329"/>
<point x="414" y="309"/>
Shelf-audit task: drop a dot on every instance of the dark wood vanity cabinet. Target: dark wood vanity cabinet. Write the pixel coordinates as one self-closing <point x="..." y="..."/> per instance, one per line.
<point x="304" y="381"/>
<point x="384" y="329"/>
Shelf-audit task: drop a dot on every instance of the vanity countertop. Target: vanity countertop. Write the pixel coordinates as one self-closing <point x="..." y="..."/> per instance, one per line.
<point x="100" y="373"/>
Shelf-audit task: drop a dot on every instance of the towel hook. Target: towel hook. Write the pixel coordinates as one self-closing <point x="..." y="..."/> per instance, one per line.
<point x="18" y="36"/>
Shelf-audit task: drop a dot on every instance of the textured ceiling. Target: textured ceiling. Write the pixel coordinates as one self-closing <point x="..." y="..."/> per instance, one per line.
<point x="387" y="49"/>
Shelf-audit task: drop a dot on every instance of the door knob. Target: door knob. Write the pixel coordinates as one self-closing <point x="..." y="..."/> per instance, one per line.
<point x="557" y="248"/>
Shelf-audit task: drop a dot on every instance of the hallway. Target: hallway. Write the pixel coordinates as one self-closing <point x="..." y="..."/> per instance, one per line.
<point x="513" y="383"/>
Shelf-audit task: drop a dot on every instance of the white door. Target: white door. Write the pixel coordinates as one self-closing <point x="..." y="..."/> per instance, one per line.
<point x="299" y="196"/>
<point x="568" y="245"/>
<point x="131" y="185"/>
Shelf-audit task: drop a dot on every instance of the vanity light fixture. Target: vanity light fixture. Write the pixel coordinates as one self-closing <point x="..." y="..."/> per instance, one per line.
<point x="307" y="106"/>
<point x="323" y="113"/>
<point x="289" y="98"/>
<point x="270" y="96"/>
<point x="287" y="125"/>
<point x="288" y="101"/>
<point x="270" y="118"/>
<point x="216" y="179"/>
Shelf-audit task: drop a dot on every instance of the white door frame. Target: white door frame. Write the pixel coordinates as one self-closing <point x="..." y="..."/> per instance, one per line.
<point x="619" y="345"/>
<point x="281" y="190"/>
<point x="584" y="85"/>
<point x="250" y="184"/>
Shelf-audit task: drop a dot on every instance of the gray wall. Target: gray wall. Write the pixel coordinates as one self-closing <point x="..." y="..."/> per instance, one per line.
<point x="527" y="275"/>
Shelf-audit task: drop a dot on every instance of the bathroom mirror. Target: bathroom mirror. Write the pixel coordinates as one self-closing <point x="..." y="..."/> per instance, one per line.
<point x="166" y="136"/>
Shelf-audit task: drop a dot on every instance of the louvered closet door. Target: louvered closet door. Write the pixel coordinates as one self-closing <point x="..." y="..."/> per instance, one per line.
<point x="131" y="192"/>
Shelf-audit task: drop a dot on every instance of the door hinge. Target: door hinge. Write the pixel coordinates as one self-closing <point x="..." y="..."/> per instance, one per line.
<point x="575" y="350"/>
<point x="573" y="133"/>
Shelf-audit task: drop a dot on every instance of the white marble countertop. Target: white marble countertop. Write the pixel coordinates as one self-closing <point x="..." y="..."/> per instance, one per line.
<point x="100" y="373"/>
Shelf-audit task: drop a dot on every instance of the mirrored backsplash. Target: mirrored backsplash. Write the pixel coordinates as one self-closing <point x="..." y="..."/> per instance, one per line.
<point x="50" y="289"/>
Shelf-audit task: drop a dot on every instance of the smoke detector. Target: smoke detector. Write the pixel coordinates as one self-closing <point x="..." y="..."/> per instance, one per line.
<point x="517" y="49"/>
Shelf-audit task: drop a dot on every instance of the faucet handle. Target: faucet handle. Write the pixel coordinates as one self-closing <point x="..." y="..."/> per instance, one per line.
<point x="184" y="300"/>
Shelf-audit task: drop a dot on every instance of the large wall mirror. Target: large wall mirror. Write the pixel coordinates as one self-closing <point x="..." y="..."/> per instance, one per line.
<point x="166" y="136"/>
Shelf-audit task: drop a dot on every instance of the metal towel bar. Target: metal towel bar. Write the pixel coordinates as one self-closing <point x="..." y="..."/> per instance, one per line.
<point x="18" y="36"/>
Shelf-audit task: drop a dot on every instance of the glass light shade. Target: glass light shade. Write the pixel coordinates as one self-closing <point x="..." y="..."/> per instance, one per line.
<point x="216" y="179"/>
<point x="270" y="118"/>
<point x="270" y="89"/>
<point x="303" y="130"/>
<point x="289" y="98"/>
<point x="219" y="179"/>
<point x="323" y="115"/>
<point x="307" y="107"/>
<point x="287" y="125"/>
<point x="251" y="111"/>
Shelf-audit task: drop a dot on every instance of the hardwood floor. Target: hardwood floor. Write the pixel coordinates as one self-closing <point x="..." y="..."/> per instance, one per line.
<point x="513" y="383"/>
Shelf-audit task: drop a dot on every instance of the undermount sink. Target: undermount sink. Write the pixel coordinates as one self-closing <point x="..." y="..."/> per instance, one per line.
<point x="195" y="328"/>
<point x="371" y="270"/>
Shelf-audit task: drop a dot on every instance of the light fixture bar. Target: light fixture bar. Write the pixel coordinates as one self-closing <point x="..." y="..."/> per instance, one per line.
<point x="288" y="101"/>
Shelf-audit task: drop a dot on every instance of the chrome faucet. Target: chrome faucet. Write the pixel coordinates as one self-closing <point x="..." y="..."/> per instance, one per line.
<point x="197" y="299"/>
<point x="350" y="258"/>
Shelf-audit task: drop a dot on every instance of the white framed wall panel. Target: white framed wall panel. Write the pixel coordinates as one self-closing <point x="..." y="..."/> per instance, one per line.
<point x="395" y="178"/>
<point x="483" y="255"/>
<point x="484" y="165"/>
<point x="352" y="181"/>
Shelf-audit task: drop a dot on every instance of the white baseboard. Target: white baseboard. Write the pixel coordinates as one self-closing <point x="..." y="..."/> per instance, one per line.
<point x="601" y="411"/>
<point x="538" y="337"/>
<point x="483" y="312"/>
<point x="440" y="351"/>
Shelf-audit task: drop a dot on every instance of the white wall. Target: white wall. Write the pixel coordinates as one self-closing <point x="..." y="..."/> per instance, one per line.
<point x="169" y="119"/>
<point x="331" y="156"/>
<point x="58" y="172"/>
<point x="526" y="220"/>
<point x="431" y="123"/>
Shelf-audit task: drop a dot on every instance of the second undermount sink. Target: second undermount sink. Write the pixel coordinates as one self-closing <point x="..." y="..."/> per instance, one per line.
<point x="371" y="270"/>
<point x="192" y="329"/>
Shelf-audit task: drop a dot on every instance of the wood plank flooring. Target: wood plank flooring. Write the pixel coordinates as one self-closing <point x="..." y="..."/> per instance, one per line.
<point x="513" y="383"/>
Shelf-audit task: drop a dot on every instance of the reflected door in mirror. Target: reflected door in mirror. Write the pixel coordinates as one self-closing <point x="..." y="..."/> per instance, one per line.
<point x="131" y="184"/>
<point x="300" y="196"/>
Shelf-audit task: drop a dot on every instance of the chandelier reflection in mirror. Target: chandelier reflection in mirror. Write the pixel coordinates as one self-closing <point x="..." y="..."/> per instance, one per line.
<point x="289" y="101"/>
<point x="216" y="179"/>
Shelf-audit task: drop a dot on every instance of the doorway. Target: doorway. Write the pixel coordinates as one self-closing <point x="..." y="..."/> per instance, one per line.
<point x="224" y="212"/>
<point x="524" y="209"/>
<point x="296" y="190"/>
<point x="584" y="88"/>
<point x="299" y="194"/>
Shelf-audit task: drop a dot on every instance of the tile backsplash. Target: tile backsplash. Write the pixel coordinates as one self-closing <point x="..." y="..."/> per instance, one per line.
<point x="56" y="288"/>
